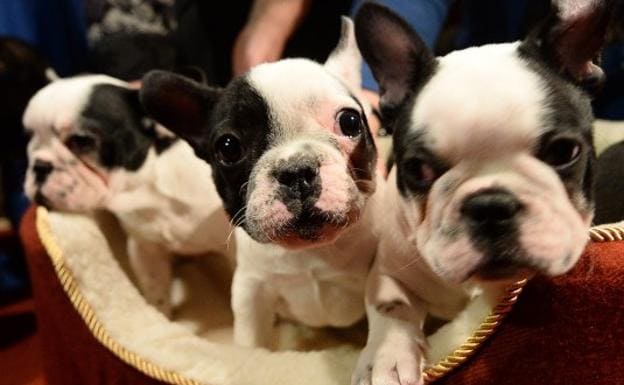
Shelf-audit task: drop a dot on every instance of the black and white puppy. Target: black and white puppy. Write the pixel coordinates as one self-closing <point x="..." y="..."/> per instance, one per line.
<point x="93" y="147"/>
<point x="295" y="164"/>
<point x="493" y="149"/>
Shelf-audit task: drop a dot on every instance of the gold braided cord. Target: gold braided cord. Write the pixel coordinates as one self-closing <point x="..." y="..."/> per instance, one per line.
<point x="605" y="233"/>
<point x="487" y="327"/>
<point x="88" y="315"/>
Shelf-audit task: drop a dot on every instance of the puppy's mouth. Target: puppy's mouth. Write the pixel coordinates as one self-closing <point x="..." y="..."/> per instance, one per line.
<point x="310" y="228"/>
<point x="304" y="205"/>
<point x="502" y="270"/>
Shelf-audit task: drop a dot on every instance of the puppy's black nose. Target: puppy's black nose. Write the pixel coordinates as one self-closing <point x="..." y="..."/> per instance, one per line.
<point x="42" y="169"/>
<point x="491" y="208"/>
<point x="300" y="180"/>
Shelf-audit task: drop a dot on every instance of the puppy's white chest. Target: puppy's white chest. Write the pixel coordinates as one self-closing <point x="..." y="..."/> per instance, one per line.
<point x="320" y="297"/>
<point x="316" y="288"/>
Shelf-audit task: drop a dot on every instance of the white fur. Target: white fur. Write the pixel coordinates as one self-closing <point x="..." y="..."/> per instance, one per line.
<point x="487" y="92"/>
<point x="168" y="206"/>
<point x="281" y="84"/>
<point x="342" y="61"/>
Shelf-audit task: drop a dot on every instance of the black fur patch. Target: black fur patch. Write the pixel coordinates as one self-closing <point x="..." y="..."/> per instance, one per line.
<point x="409" y="144"/>
<point x="116" y="117"/>
<point x="401" y="65"/>
<point x="308" y="224"/>
<point x="569" y="114"/>
<point x="363" y="159"/>
<point x="241" y="112"/>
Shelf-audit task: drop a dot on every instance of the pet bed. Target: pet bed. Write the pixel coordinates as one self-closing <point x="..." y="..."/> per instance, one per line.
<point x="97" y="329"/>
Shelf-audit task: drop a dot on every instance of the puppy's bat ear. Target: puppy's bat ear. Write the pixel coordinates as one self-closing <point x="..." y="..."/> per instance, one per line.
<point x="345" y="60"/>
<point x="178" y="103"/>
<point x="194" y="73"/>
<point x="571" y="37"/>
<point x="399" y="59"/>
<point x="51" y="75"/>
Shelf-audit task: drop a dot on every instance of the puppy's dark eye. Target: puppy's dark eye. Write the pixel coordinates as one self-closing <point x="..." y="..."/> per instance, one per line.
<point x="419" y="174"/>
<point x="228" y="149"/>
<point x="80" y="144"/>
<point x="561" y="152"/>
<point x="350" y="123"/>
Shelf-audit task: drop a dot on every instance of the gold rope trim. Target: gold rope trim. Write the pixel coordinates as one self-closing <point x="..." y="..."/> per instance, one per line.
<point x="487" y="327"/>
<point x="604" y="233"/>
<point x="607" y="233"/>
<point x="88" y="315"/>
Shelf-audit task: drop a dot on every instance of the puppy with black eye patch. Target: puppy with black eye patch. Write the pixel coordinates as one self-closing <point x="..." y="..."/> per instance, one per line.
<point x="492" y="183"/>
<point x="295" y="164"/>
<point x="94" y="148"/>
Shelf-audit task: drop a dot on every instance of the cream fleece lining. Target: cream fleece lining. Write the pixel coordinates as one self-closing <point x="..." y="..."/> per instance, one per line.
<point x="197" y="345"/>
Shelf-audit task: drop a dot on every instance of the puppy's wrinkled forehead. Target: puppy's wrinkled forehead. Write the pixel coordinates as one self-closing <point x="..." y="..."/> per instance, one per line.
<point x="57" y="106"/>
<point x="482" y="101"/>
<point x="298" y="92"/>
<point x="494" y="100"/>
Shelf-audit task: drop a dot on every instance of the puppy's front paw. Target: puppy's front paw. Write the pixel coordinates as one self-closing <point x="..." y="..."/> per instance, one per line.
<point x="397" y="363"/>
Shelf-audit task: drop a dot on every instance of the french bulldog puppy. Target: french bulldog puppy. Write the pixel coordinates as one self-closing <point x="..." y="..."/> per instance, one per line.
<point x="492" y="183"/>
<point x="295" y="163"/>
<point x="93" y="147"/>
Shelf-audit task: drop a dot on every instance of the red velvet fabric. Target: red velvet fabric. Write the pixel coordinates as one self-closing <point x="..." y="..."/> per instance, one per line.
<point x="71" y="355"/>
<point x="567" y="330"/>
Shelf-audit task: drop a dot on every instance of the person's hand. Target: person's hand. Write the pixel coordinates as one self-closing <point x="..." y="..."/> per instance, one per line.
<point x="263" y="38"/>
<point x="258" y="42"/>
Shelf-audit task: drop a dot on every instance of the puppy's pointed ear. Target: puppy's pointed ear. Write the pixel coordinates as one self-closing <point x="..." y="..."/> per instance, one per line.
<point x="571" y="38"/>
<point x="178" y="103"/>
<point x="194" y="73"/>
<point x="51" y="75"/>
<point x="399" y="59"/>
<point x="345" y="60"/>
<point x="148" y="125"/>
